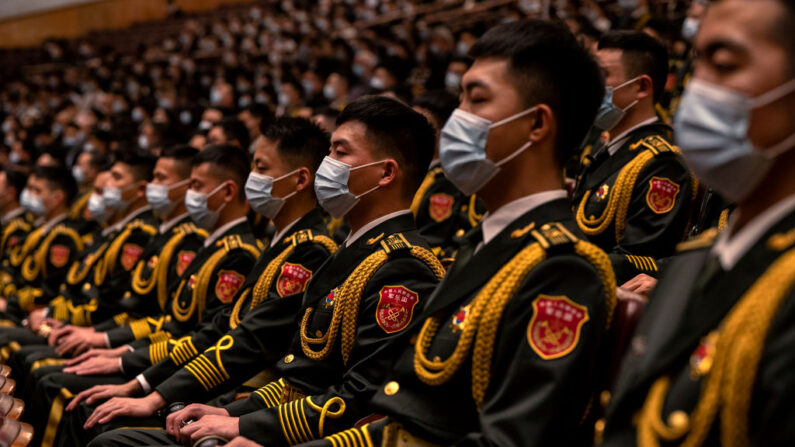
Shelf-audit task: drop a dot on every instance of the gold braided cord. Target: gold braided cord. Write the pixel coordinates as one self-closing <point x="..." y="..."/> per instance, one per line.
<point x="76" y="211"/>
<point x="36" y="263"/>
<point x="141" y="285"/>
<point x="30" y="242"/>
<point x="326" y="411"/>
<point x="234" y="317"/>
<point x="723" y="220"/>
<point x="76" y="274"/>
<point x="472" y="212"/>
<point x="347" y="301"/>
<point x="16" y="224"/>
<point x="729" y="385"/>
<point x="485" y="314"/>
<point x="108" y="264"/>
<point x="426" y="184"/>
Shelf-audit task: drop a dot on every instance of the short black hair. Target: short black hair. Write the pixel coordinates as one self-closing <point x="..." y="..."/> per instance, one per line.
<point x="641" y="54"/>
<point x="550" y="67"/>
<point x="235" y="130"/>
<point x="58" y="178"/>
<point x="183" y="155"/>
<point x="99" y="160"/>
<point x="398" y="132"/>
<point x="440" y="103"/>
<point x="16" y="179"/>
<point x="140" y="165"/>
<point x="230" y="162"/>
<point x="300" y="141"/>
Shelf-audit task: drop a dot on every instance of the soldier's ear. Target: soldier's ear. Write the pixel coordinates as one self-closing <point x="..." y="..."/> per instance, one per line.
<point x="391" y="168"/>
<point x="304" y="179"/>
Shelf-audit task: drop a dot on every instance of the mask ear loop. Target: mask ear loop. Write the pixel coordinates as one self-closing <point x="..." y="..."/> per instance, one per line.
<point x="764" y="99"/>
<point x="281" y="178"/>
<point x="624" y="84"/>
<point x="212" y="193"/>
<point x="178" y="184"/>
<point x="373" y="188"/>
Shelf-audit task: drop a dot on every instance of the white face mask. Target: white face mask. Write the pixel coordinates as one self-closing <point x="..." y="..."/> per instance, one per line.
<point x="462" y="150"/>
<point x="158" y="197"/>
<point x="711" y="127"/>
<point x="259" y="190"/>
<point x="196" y="204"/>
<point x="331" y="186"/>
<point x="97" y="209"/>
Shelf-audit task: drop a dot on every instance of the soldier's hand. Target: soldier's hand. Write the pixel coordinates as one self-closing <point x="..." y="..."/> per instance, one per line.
<point x="63" y="331"/>
<point x="224" y="426"/>
<point x="642" y="284"/>
<point x="79" y="341"/>
<point x="125" y="406"/>
<point x="96" y="366"/>
<point x="3" y="304"/>
<point x="176" y="420"/>
<point x="103" y="392"/>
<point x="35" y="319"/>
<point x="242" y="442"/>
<point x="91" y="353"/>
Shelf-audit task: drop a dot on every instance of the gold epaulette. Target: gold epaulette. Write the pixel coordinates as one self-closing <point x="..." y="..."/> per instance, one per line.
<point x="553" y="234"/>
<point x="395" y="243"/>
<point x="703" y="240"/>
<point x="654" y="143"/>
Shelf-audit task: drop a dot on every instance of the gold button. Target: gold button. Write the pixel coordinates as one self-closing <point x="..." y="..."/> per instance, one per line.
<point x="86" y="286"/>
<point x="318" y="333"/>
<point x="289" y="358"/>
<point x="678" y="420"/>
<point x="127" y="294"/>
<point x="604" y="398"/>
<point x="598" y="431"/>
<point x="460" y="233"/>
<point x="391" y="388"/>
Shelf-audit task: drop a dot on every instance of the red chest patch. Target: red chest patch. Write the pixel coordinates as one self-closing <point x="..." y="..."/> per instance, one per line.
<point x="395" y="308"/>
<point x="554" y="331"/>
<point x="59" y="255"/>
<point x="229" y="282"/>
<point x="440" y="206"/>
<point x="184" y="258"/>
<point x="130" y="253"/>
<point x="292" y="279"/>
<point x="13" y="241"/>
<point x="661" y="197"/>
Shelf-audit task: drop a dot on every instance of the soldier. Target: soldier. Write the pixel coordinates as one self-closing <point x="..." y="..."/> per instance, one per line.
<point x="442" y="212"/>
<point x="358" y="306"/>
<point x="14" y="223"/>
<point x="524" y="310"/>
<point x="711" y="361"/>
<point x="634" y="194"/>
<point x="268" y="304"/>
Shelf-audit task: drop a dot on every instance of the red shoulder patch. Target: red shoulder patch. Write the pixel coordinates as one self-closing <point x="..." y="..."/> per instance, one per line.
<point x="440" y="206"/>
<point x="395" y="308"/>
<point x="184" y="258"/>
<point x="59" y="255"/>
<point x="130" y="253"/>
<point x="292" y="279"/>
<point x="554" y="331"/>
<point x="229" y="282"/>
<point x="662" y="194"/>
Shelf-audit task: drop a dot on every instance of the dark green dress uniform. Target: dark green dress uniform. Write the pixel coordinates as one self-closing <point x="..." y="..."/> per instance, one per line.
<point x="257" y="329"/>
<point x="711" y="362"/>
<point x="636" y="203"/>
<point x="206" y="287"/>
<point x="14" y="228"/>
<point x="509" y="347"/>
<point x="443" y="213"/>
<point x="356" y="312"/>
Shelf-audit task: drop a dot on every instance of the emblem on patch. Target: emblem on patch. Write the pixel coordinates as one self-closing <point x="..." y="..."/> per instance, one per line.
<point x="328" y="301"/>
<point x="13" y="241"/>
<point x="662" y="194"/>
<point x="184" y="258"/>
<point x="129" y="255"/>
<point x="602" y="192"/>
<point x="395" y="308"/>
<point x="440" y="206"/>
<point x="229" y="282"/>
<point x="59" y="255"/>
<point x="292" y="279"/>
<point x="459" y="319"/>
<point x="554" y="331"/>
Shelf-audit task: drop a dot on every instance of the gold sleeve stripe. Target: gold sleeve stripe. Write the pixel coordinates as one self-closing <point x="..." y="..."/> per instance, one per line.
<point x="270" y="394"/>
<point x="283" y="423"/>
<point x="140" y="328"/>
<point x="202" y="370"/>
<point x="121" y="319"/>
<point x="218" y="375"/>
<point x="183" y="352"/>
<point x="199" y="376"/>
<point x="158" y="351"/>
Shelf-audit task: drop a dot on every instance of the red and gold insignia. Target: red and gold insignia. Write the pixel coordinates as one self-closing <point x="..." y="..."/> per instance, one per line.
<point x="329" y="300"/>
<point x="604" y="137"/>
<point x="59" y="255"/>
<point x="554" y="331"/>
<point x="602" y="192"/>
<point x="192" y="282"/>
<point x="184" y="258"/>
<point x="153" y="262"/>
<point x="701" y="360"/>
<point x="440" y="206"/>
<point x="395" y="308"/>
<point x="229" y="282"/>
<point x="662" y="194"/>
<point x="459" y="319"/>
<point x="130" y="253"/>
<point x="12" y="241"/>
<point x="292" y="279"/>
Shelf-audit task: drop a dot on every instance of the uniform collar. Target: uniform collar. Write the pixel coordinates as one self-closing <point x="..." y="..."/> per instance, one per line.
<point x="127" y="219"/>
<point x="372" y="224"/>
<point x="729" y="249"/>
<point x="615" y="143"/>
<point x="220" y="231"/>
<point x="9" y="216"/>
<point x="165" y="227"/>
<point x="278" y="236"/>
<point x="494" y="223"/>
<point x="54" y="221"/>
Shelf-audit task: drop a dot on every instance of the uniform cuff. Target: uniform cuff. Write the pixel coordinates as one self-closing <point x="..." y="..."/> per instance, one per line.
<point x="144" y="383"/>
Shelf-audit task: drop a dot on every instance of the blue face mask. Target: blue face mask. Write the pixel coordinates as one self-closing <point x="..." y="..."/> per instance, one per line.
<point x="196" y="204"/>
<point x="462" y="150"/>
<point x="609" y="114"/>
<point x="97" y="209"/>
<point x="331" y="186"/>
<point x="711" y="126"/>
<point x="259" y="190"/>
